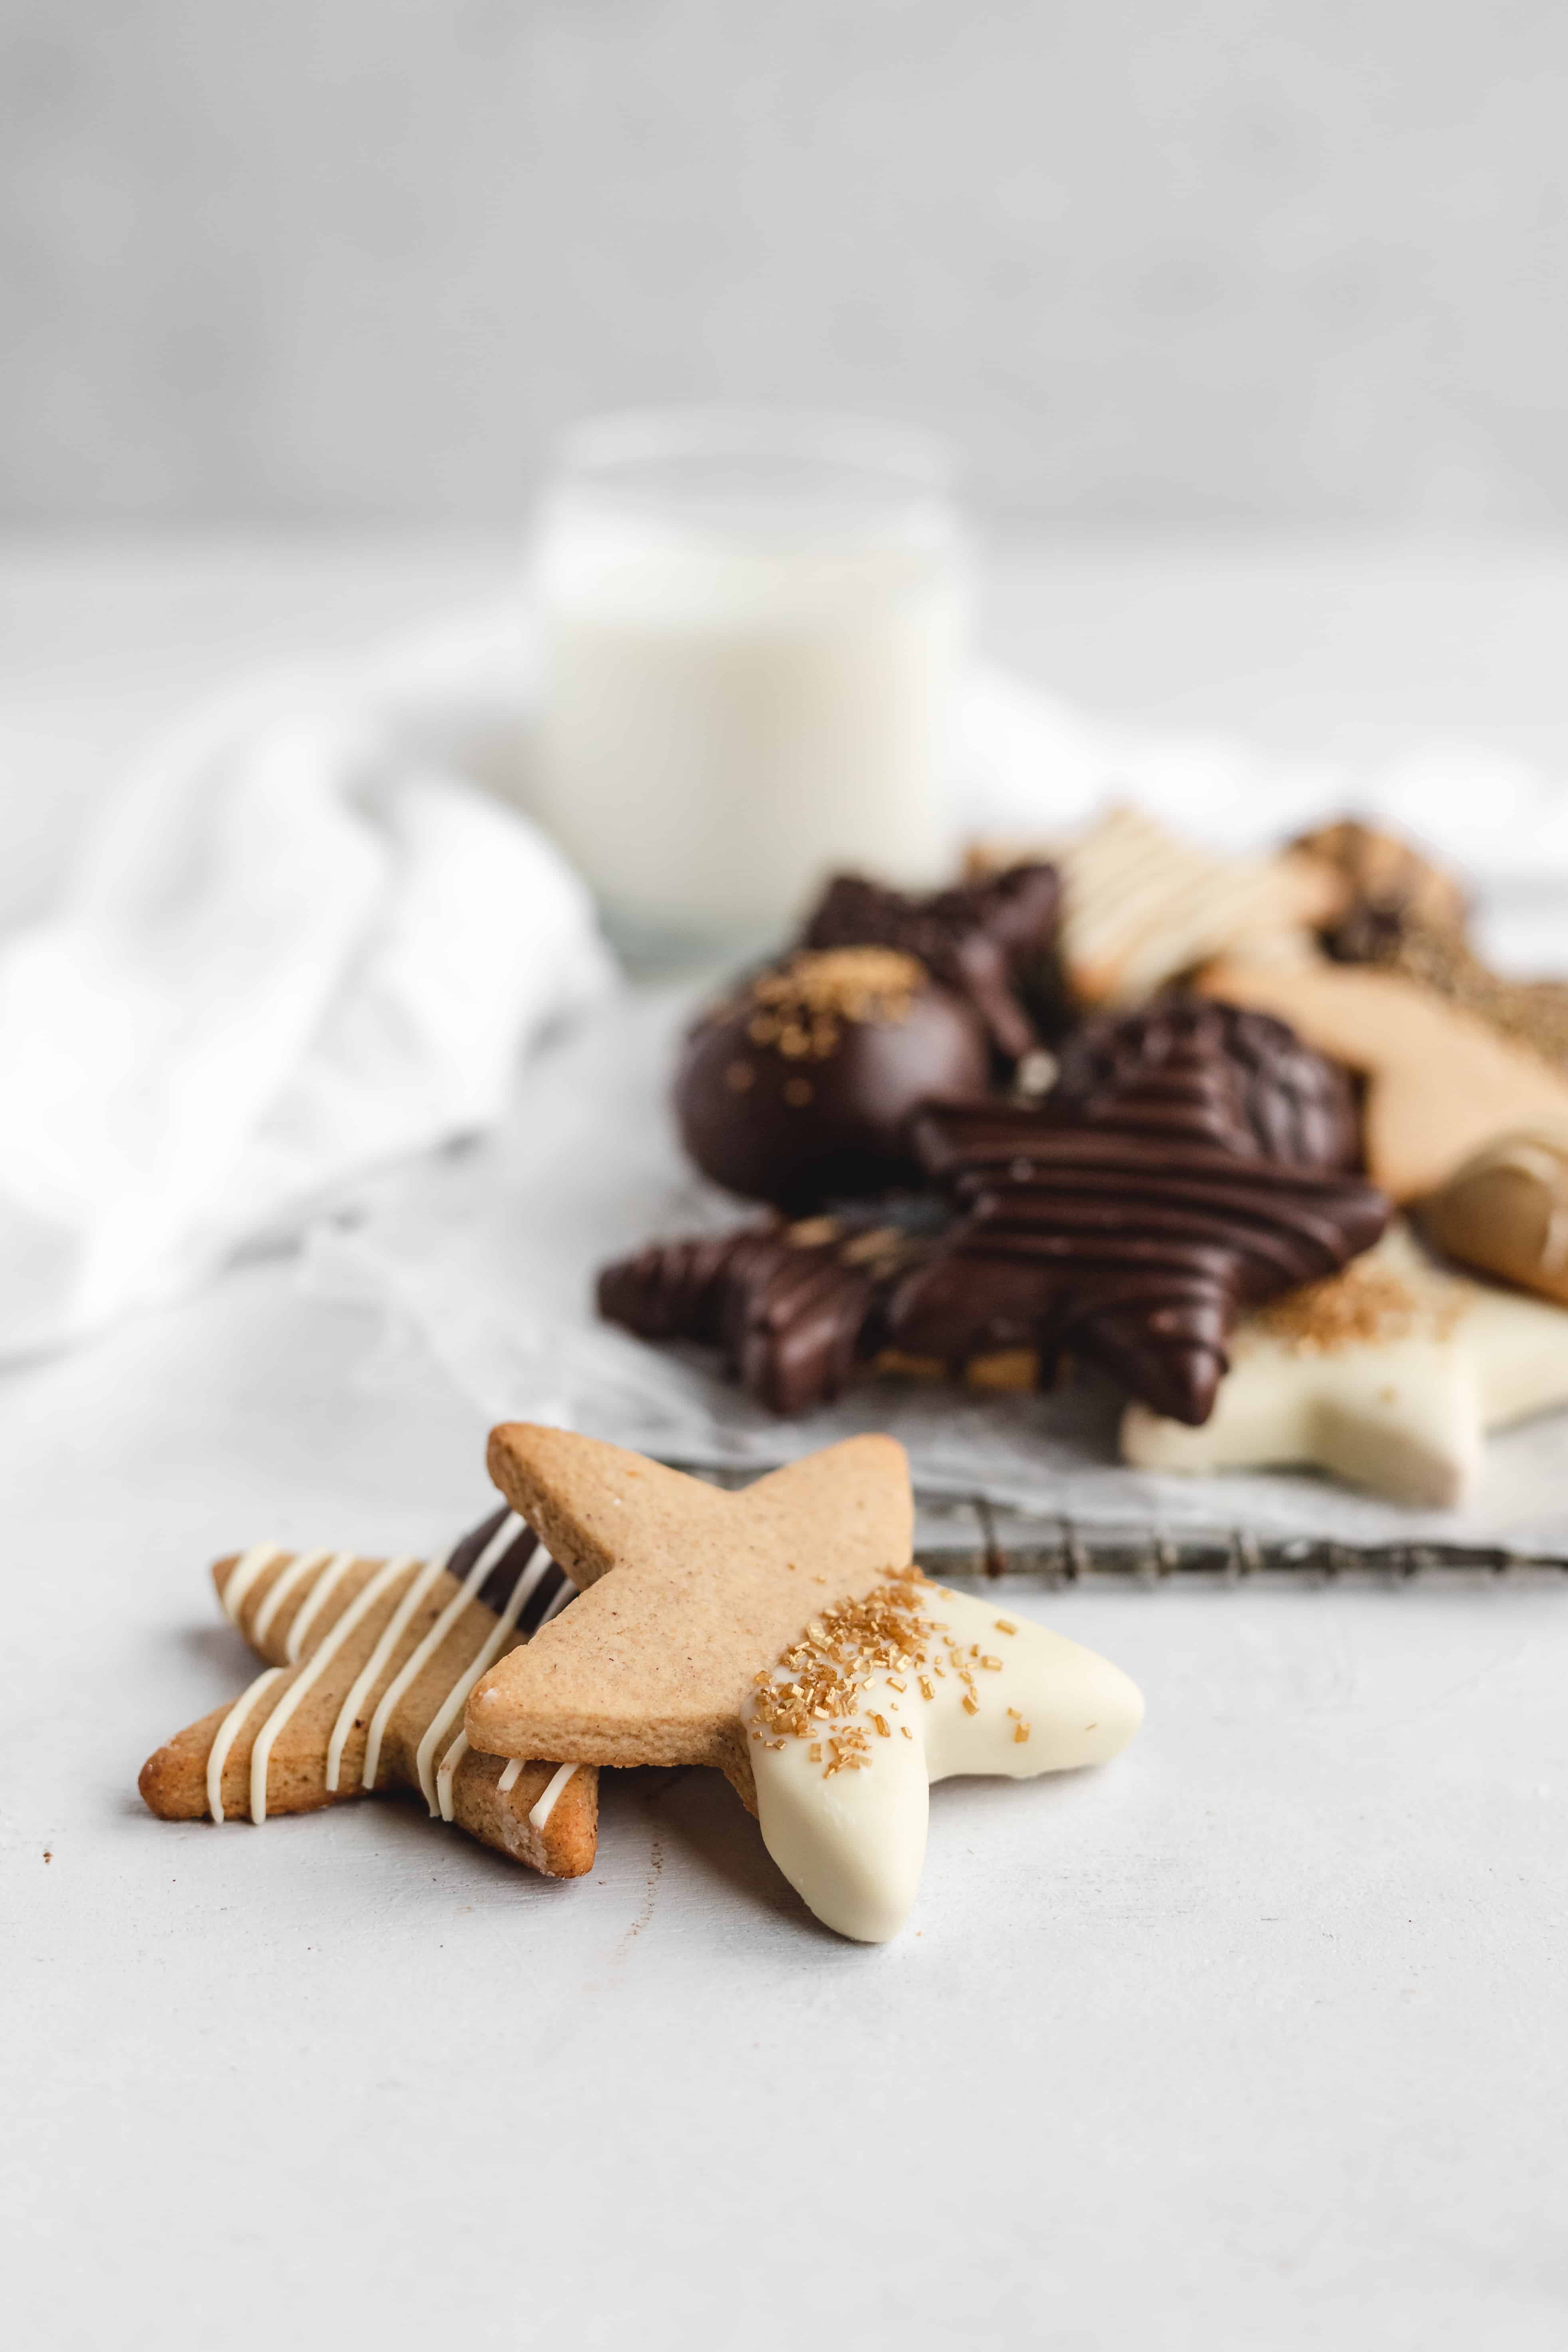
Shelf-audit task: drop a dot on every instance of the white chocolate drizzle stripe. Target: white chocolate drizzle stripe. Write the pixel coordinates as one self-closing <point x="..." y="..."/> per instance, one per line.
<point x="228" y="1732"/>
<point x="547" y="1803"/>
<point x="420" y="1658"/>
<point x="327" y="1583"/>
<point x="243" y="1575"/>
<point x="441" y="1802"/>
<point x="369" y="1673"/>
<point x="294" y="1575"/>
<point x="310" y="1675"/>
<point x="509" y="1778"/>
<point x="449" y="1763"/>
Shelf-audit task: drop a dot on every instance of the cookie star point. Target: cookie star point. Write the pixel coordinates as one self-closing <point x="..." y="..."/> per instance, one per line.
<point x="1388" y="1375"/>
<point x="687" y="1588"/>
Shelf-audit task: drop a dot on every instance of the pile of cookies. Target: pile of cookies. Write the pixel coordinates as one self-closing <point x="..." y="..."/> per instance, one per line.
<point x="1240" y="1133"/>
<point x="614" y="1612"/>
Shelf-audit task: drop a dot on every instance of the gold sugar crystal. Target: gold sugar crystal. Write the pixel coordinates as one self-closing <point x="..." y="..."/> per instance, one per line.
<point x="821" y="1678"/>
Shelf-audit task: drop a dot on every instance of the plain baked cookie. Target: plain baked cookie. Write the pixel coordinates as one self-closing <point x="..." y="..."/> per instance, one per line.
<point x="1440" y="1082"/>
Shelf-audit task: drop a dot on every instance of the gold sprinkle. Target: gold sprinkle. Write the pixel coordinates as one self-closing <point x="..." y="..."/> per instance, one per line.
<point x="894" y="1684"/>
<point x="1003" y="1626"/>
<point x="969" y="1706"/>
<point x="822" y="1678"/>
<point x="813" y="1753"/>
<point x="926" y="1690"/>
<point x="992" y="1665"/>
<point x="1015" y="1714"/>
<point x="1361" y="1303"/>
<point x="1021" y="1734"/>
<point x="827" y="985"/>
<point x="907" y="1732"/>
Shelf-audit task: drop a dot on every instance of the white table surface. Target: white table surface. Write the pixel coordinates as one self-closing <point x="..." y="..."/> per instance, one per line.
<point x="1253" y="2040"/>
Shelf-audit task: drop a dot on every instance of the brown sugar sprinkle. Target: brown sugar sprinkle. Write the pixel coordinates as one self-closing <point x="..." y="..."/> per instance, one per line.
<point x="821" y="1679"/>
<point x="1363" y="1302"/>
<point x="801" y="1006"/>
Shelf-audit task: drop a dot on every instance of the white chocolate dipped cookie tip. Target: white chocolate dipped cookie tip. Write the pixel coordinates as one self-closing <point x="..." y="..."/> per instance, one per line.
<point x="1387" y="1375"/>
<point x="879" y="1699"/>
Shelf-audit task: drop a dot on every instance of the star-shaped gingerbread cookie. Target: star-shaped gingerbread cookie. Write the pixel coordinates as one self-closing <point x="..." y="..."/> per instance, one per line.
<point x="783" y="1634"/>
<point x="1440" y="1083"/>
<point x="370" y="1663"/>
<point x="1388" y="1374"/>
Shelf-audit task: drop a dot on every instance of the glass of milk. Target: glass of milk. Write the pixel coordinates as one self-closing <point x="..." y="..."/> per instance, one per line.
<point x="750" y="629"/>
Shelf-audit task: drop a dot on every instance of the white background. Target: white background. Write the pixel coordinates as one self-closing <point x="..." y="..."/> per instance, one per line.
<point x="1233" y="261"/>
<point x="1252" y="2040"/>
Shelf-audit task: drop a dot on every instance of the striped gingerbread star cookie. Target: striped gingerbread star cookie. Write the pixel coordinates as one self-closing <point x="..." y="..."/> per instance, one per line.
<point x="369" y="1664"/>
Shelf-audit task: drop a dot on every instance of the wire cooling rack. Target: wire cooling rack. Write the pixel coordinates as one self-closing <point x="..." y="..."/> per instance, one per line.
<point x="961" y="1535"/>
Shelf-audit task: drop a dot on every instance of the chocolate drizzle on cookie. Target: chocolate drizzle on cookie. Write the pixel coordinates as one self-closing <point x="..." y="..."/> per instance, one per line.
<point x="796" y="1308"/>
<point x="1209" y="1072"/>
<point x="1119" y="1233"/>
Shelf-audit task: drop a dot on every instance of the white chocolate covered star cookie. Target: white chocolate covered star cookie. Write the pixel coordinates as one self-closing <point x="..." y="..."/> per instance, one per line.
<point x="879" y="1699"/>
<point x="783" y="1634"/>
<point x="1388" y="1374"/>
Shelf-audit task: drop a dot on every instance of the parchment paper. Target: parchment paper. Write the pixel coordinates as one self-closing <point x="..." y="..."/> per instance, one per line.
<point x="488" y="1257"/>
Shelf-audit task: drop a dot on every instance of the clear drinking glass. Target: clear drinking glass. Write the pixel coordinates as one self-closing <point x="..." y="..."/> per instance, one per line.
<point x="750" y="629"/>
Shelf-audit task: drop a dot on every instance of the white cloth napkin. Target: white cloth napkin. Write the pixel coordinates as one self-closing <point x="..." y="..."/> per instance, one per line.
<point x="301" y="944"/>
<point x="313" y="936"/>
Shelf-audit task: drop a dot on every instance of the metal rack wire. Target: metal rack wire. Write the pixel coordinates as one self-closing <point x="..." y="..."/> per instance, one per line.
<point x="958" y="1535"/>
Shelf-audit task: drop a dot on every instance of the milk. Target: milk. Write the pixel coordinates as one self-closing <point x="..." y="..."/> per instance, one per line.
<point x="738" y="703"/>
